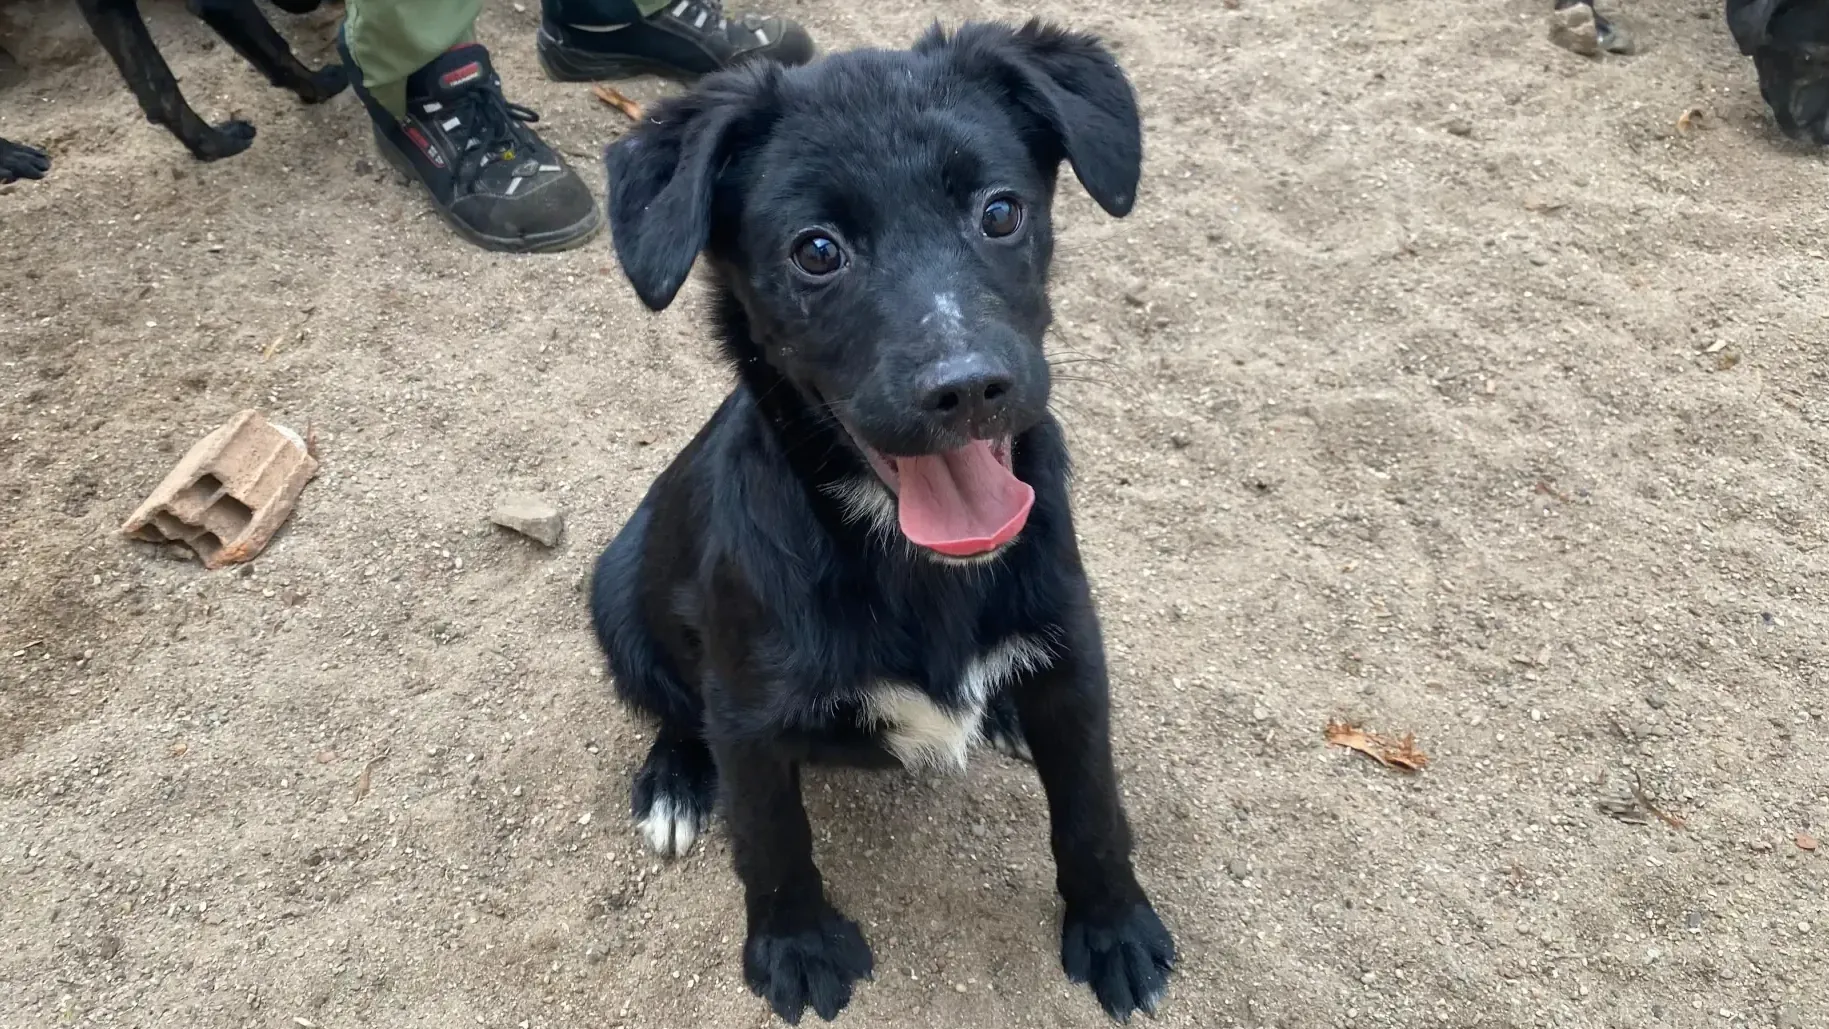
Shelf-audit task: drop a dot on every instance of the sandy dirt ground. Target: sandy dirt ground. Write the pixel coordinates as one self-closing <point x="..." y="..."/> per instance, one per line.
<point x="1440" y="382"/>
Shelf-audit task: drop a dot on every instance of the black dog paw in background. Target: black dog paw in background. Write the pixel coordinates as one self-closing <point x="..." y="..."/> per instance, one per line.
<point x="18" y="161"/>
<point x="1788" y="41"/>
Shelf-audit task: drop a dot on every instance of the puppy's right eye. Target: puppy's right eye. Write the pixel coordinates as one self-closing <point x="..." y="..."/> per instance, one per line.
<point x="818" y="255"/>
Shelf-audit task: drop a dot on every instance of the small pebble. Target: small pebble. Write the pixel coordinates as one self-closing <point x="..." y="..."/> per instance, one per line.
<point x="531" y="517"/>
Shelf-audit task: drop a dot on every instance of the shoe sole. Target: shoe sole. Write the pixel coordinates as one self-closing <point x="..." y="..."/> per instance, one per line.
<point x="570" y="64"/>
<point x="576" y="234"/>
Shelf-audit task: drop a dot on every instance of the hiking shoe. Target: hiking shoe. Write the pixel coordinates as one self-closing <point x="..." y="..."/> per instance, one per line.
<point x="490" y="176"/>
<point x="683" y="41"/>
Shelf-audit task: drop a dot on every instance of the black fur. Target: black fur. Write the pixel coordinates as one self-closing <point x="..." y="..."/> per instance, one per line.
<point x="1788" y="41"/>
<point x="18" y="161"/>
<point x="122" y="32"/>
<point x="761" y="590"/>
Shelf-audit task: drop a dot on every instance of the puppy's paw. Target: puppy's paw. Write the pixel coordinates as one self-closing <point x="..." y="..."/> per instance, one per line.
<point x="225" y="140"/>
<point x="1125" y="957"/>
<point x="673" y="795"/>
<point x="812" y="966"/>
<point x="325" y="83"/>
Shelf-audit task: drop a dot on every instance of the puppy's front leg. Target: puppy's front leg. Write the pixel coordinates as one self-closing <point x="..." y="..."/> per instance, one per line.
<point x="800" y="952"/>
<point x="1111" y="937"/>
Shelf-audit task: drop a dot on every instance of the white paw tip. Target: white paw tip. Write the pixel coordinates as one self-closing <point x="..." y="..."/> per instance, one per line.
<point x="670" y="830"/>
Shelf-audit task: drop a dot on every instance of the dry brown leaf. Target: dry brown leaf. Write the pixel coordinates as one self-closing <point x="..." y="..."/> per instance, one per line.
<point x="614" y="98"/>
<point x="1644" y="799"/>
<point x="366" y="780"/>
<point x="1688" y="120"/>
<point x="1548" y="488"/>
<point x="1805" y="841"/>
<point x="1401" y="754"/>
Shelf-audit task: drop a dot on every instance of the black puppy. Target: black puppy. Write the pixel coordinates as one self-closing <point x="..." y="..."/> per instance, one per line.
<point x="122" y="32"/>
<point x="866" y="555"/>
<point x="18" y="161"/>
<point x="1788" y="41"/>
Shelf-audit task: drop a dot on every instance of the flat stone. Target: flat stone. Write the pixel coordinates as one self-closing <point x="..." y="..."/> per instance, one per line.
<point x="530" y="516"/>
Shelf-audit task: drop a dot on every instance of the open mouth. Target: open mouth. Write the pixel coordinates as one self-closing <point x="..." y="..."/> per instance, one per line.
<point x="962" y="502"/>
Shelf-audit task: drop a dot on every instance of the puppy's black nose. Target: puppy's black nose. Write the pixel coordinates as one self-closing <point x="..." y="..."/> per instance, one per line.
<point x="966" y="391"/>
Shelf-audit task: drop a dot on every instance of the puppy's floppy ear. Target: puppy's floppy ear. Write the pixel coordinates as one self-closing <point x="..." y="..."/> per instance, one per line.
<point x="663" y="178"/>
<point x="1077" y="99"/>
<point x="1749" y="20"/>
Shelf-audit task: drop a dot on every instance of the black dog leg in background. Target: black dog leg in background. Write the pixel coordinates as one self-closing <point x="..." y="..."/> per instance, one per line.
<point x="253" y="37"/>
<point x="800" y="952"/>
<point x="117" y="24"/>
<point x="1111" y="937"/>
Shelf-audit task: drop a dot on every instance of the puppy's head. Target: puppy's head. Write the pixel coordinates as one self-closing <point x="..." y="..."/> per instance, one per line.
<point x="1789" y="43"/>
<point x="882" y="217"/>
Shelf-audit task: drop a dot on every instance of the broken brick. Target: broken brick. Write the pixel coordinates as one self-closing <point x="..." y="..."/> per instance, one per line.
<point x="230" y="494"/>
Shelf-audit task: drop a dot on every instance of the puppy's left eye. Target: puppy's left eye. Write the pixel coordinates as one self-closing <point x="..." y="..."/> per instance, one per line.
<point x="1002" y="217"/>
<point x="818" y="256"/>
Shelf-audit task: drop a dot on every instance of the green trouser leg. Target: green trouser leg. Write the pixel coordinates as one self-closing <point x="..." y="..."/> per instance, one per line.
<point x="392" y="39"/>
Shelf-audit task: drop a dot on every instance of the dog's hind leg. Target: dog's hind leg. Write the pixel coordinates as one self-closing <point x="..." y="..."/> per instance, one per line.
<point x="1002" y="728"/>
<point x="253" y="37"/>
<point x="676" y="786"/>
<point x="675" y="790"/>
<point x="117" y="24"/>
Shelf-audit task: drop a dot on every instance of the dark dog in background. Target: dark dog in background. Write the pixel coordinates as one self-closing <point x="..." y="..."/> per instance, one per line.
<point x="866" y="555"/>
<point x="1788" y="41"/>
<point x="122" y="32"/>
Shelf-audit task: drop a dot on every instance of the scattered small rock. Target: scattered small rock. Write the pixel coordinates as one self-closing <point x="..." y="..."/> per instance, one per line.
<point x="531" y="517"/>
<point x="1805" y="841"/>
<point x="1655" y="700"/>
<point x="1788" y="1017"/>
<point x="1572" y="28"/>
<point x="1460" y="127"/>
<point x="1238" y="869"/>
<point x="108" y="947"/>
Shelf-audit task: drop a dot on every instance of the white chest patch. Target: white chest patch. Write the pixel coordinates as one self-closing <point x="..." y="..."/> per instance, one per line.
<point x="924" y="735"/>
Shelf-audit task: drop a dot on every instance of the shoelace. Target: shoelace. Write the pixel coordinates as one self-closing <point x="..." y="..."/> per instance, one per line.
<point x="698" y="12"/>
<point x="495" y="126"/>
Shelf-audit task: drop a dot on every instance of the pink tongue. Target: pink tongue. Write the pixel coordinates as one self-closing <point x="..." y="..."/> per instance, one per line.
<point x="962" y="502"/>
